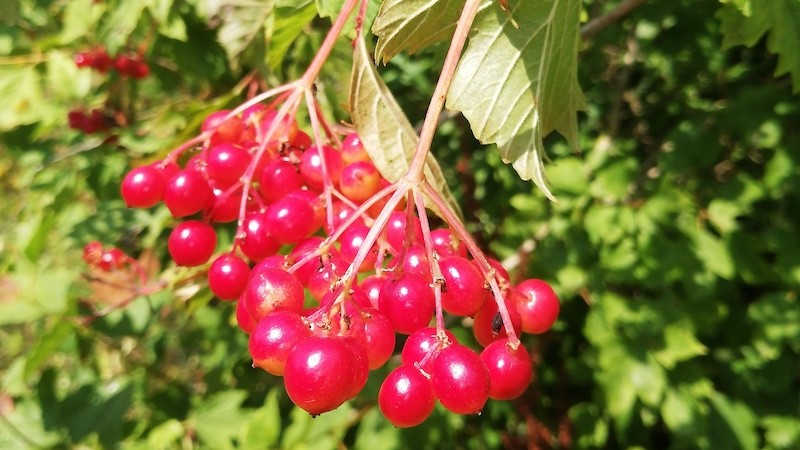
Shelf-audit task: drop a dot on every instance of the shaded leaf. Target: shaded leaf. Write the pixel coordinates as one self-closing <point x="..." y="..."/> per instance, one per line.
<point x="778" y="18"/>
<point x="517" y="85"/>
<point x="385" y="131"/>
<point x="412" y="25"/>
<point x="739" y="419"/>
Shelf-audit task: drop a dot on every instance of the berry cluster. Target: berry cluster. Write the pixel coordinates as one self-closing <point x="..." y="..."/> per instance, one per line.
<point x="326" y="271"/>
<point x="105" y="259"/>
<point x="128" y="64"/>
<point x="94" y="121"/>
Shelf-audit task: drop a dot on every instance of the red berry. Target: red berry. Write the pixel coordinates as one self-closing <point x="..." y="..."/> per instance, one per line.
<point x="320" y="373"/>
<point x="228" y="277"/>
<point x="273" y="289"/>
<point x="422" y="347"/>
<point x="278" y="178"/>
<point x="143" y="187"/>
<point x="92" y="253"/>
<point x="485" y="325"/>
<point x="538" y="305"/>
<point x="460" y="380"/>
<point x="351" y="242"/>
<point x="311" y="167"/>
<point x="353" y="149"/>
<point x="446" y="244"/>
<point x="510" y="370"/>
<point x="359" y="181"/>
<point x="274" y="337"/>
<point x="463" y="291"/>
<point x="396" y="230"/>
<point x="379" y="338"/>
<point x="372" y="287"/>
<point x="290" y="220"/>
<point x="226" y="163"/>
<point x="192" y="243"/>
<point x="224" y="205"/>
<point x="112" y="259"/>
<point x="243" y="318"/>
<point x="187" y="193"/>
<point x="408" y="302"/>
<point x="406" y="397"/>
<point x="257" y="243"/>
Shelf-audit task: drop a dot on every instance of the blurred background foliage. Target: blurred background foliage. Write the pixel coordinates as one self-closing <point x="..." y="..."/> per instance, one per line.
<point x="674" y="243"/>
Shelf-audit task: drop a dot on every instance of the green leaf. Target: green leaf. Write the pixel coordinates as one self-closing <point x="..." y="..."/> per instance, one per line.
<point x="681" y="345"/>
<point x="116" y="29"/>
<point x="782" y="431"/>
<point x="517" y="85"/>
<point x="289" y="22"/>
<point x="21" y="97"/>
<point x="388" y="137"/>
<point x="218" y="420"/>
<point x="779" y="18"/>
<point x="412" y="25"/>
<point x="242" y="21"/>
<point x="739" y="419"/>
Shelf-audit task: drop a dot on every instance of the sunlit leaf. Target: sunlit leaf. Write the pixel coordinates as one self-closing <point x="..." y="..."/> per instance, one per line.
<point x="241" y="22"/>
<point x="517" y="85"/>
<point x="412" y="25"/>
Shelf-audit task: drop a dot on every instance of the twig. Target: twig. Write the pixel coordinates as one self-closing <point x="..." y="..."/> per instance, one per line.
<point x="598" y="24"/>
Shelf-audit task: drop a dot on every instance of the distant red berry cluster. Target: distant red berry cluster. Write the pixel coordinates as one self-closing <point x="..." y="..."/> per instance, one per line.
<point x="128" y="64"/>
<point x="94" y="121"/>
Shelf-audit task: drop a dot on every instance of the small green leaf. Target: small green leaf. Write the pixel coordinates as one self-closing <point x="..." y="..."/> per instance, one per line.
<point x="681" y="345"/>
<point x="517" y="85"/>
<point x="385" y="131"/>
<point x="116" y="29"/>
<point x="412" y="25"/>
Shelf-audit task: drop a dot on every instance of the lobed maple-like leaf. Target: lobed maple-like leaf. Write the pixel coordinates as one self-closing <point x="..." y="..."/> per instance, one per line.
<point x="778" y="18"/>
<point x="515" y="86"/>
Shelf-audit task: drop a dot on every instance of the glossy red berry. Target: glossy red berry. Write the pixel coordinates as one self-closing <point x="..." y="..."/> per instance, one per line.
<point x="351" y="242"/>
<point x="423" y="346"/>
<point x="311" y="166"/>
<point x="143" y="187"/>
<point x="446" y="244"/>
<point x="273" y="289"/>
<point x="192" y="243"/>
<point x="226" y="163"/>
<point x="407" y="302"/>
<point x="510" y="370"/>
<point x="274" y="337"/>
<point x="353" y="149"/>
<point x="406" y="397"/>
<point x="278" y="178"/>
<point x="228" y="277"/>
<point x="537" y="305"/>
<point x="320" y="373"/>
<point x="463" y="291"/>
<point x="487" y="325"/>
<point x="187" y="193"/>
<point x="257" y="243"/>
<point x="379" y="337"/>
<point x="243" y="318"/>
<point x="359" y="181"/>
<point x="290" y="220"/>
<point x="460" y="380"/>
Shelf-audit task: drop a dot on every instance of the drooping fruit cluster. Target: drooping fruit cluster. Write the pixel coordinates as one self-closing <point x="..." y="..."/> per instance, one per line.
<point x="321" y="291"/>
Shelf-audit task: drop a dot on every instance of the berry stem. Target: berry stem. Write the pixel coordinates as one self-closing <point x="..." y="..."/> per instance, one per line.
<point x="483" y="264"/>
<point x="311" y="73"/>
<point x="433" y="262"/>
<point x="415" y="171"/>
